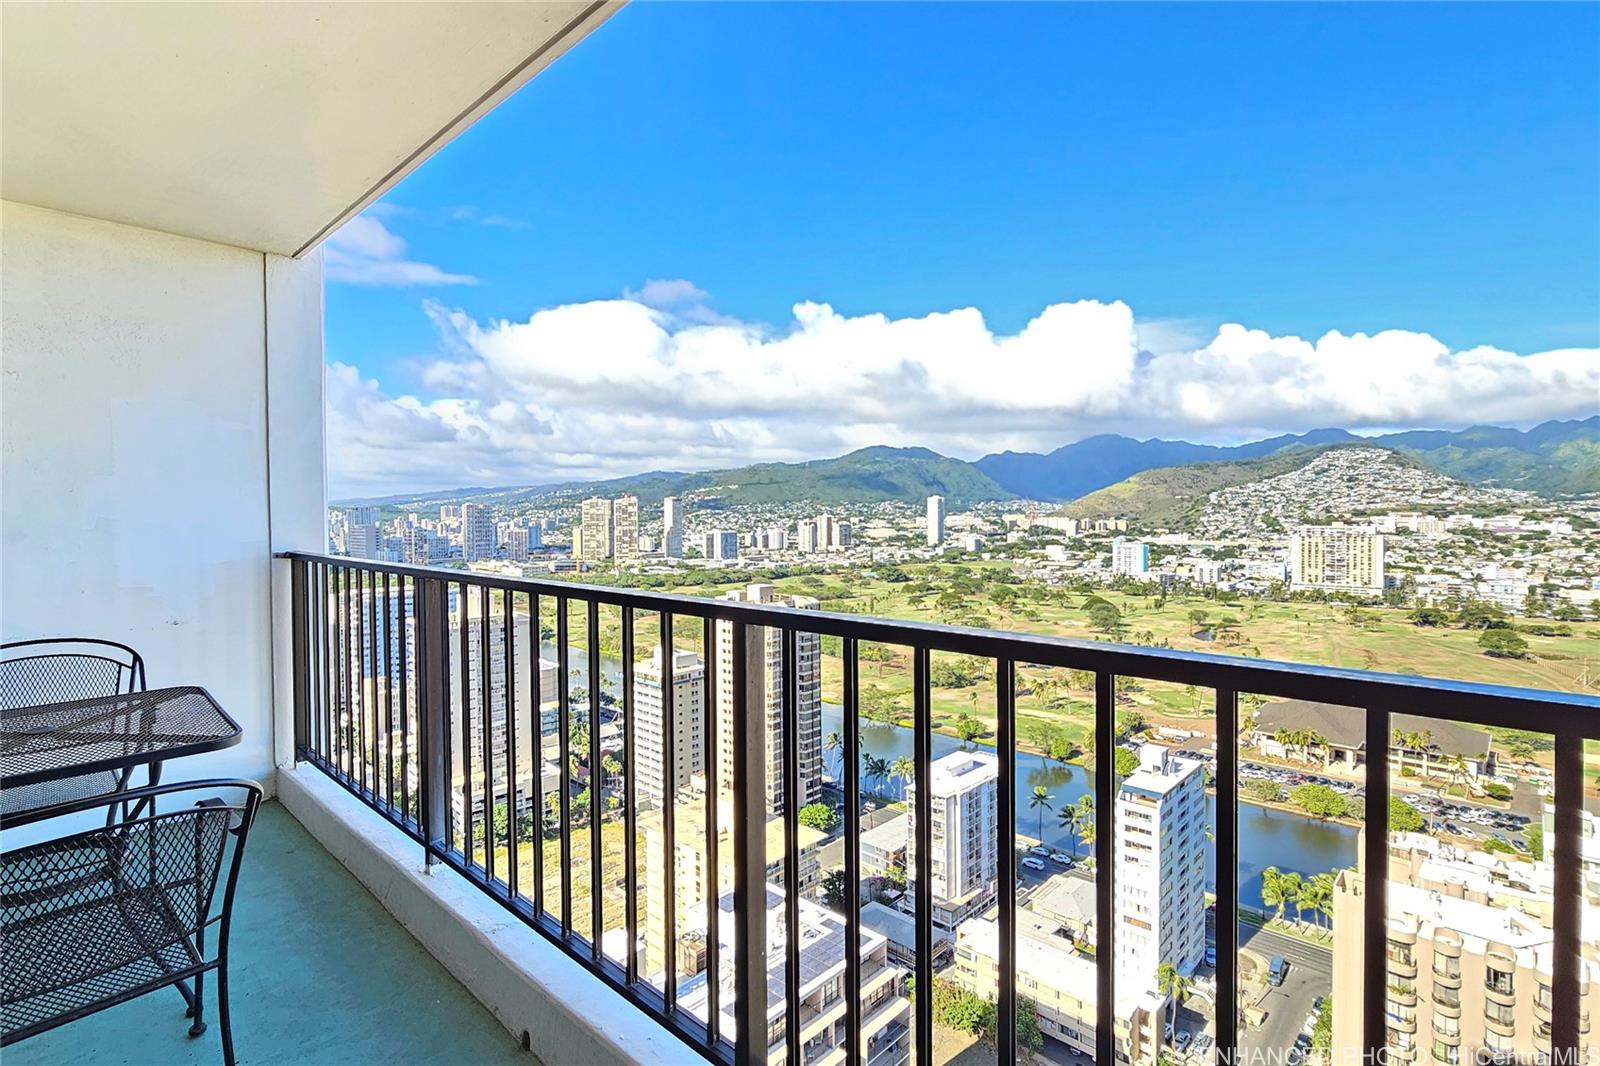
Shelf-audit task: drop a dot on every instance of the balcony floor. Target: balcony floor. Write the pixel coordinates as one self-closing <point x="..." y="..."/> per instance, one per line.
<point x="321" y="974"/>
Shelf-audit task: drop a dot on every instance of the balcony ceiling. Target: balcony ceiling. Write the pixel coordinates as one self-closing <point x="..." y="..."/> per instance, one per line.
<point x="262" y="125"/>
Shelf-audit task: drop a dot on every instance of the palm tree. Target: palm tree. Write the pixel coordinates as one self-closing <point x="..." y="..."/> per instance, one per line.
<point x="874" y="767"/>
<point x="904" y="769"/>
<point x="834" y="743"/>
<point x="1068" y="818"/>
<point x="1292" y="887"/>
<point x="1320" y="888"/>
<point x="1040" y="800"/>
<point x="1172" y="983"/>
<point x="1272" y="889"/>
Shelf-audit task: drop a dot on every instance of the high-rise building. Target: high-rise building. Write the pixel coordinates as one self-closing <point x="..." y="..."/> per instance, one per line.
<point x="808" y="702"/>
<point x="596" y="542"/>
<point x="962" y="795"/>
<point x="1336" y="559"/>
<point x="841" y="535"/>
<point x="363" y="541"/>
<point x="1130" y="557"/>
<point x="825" y="531"/>
<point x="516" y="541"/>
<point x="935" y="521"/>
<point x="688" y="723"/>
<point x="777" y="539"/>
<point x="806" y="535"/>
<point x="1469" y="953"/>
<point x="724" y="544"/>
<point x="1161" y="866"/>
<point x="625" y="529"/>
<point x="672" y="527"/>
<point x="477" y="532"/>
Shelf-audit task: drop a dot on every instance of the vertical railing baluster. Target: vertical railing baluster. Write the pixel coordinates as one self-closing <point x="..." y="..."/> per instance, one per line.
<point x="388" y="696"/>
<point x="536" y="735"/>
<point x="596" y="788"/>
<point x="1375" y="863"/>
<point x="630" y="803"/>
<point x="347" y="701"/>
<point x="486" y="730"/>
<point x="300" y="632"/>
<point x="1566" y="1004"/>
<point x="370" y="764"/>
<point x="669" y="802"/>
<point x="360" y="639"/>
<point x="1105" y="821"/>
<point x="406" y="609"/>
<point x="851" y="712"/>
<point x="1227" y="847"/>
<point x="708" y="727"/>
<point x="1005" y="694"/>
<point x="326" y="602"/>
<point x="748" y="688"/>
<point x="433" y="708"/>
<point x="464" y="614"/>
<point x="789" y="717"/>
<point x="564" y="739"/>
<point x="922" y="731"/>
<point x="509" y="633"/>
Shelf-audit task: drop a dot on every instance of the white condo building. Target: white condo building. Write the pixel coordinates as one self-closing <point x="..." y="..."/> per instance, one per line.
<point x="1336" y="559"/>
<point x="808" y="702"/>
<point x="963" y="793"/>
<point x="1130" y="557"/>
<point x="625" y="529"/>
<point x="672" y="527"/>
<point x="593" y="539"/>
<point x="688" y="719"/>
<point x="477" y="532"/>
<point x="1161" y="866"/>
<point x="935" y="521"/>
<point x="806" y="535"/>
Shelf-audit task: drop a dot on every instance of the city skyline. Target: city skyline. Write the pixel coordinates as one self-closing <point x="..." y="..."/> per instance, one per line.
<point x="806" y="280"/>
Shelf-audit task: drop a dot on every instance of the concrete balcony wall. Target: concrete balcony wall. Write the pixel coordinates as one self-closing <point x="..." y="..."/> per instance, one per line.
<point x="143" y="377"/>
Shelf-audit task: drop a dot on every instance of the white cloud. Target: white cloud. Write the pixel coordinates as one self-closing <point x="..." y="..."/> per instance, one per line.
<point x="366" y="252"/>
<point x="658" y="380"/>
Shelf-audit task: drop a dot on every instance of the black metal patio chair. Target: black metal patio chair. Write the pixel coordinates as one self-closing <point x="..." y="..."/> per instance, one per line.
<point x="100" y="917"/>
<point x="34" y="672"/>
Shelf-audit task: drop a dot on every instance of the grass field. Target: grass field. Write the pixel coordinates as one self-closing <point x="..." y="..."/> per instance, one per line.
<point x="1372" y="638"/>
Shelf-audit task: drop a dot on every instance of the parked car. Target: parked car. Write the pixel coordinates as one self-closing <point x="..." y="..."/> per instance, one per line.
<point x="1277" y="971"/>
<point x="1061" y="858"/>
<point x="1211" y="954"/>
<point x="1040" y="850"/>
<point x="1181" y="1041"/>
<point x="1033" y="863"/>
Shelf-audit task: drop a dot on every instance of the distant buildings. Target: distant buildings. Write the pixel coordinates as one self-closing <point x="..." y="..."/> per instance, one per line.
<point x="722" y="544"/>
<point x="1161" y="865"/>
<point x="935" y="521"/>
<point x="962" y="789"/>
<point x="1336" y="559"/>
<point x="808" y="704"/>
<point x="688" y="724"/>
<point x="806" y="535"/>
<point x="1129" y="557"/>
<point x="625" y="529"/>
<point x="1336" y="735"/>
<point x="672" y="527"/>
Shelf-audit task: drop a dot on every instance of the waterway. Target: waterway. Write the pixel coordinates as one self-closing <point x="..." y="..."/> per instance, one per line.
<point x="1267" y="837"/>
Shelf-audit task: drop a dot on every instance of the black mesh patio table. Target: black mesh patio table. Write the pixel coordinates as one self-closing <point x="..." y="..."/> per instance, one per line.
<point x="49" y="751"/>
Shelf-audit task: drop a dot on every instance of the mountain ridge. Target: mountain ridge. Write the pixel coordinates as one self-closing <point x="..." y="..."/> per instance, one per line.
<point x="1554" y="458"/>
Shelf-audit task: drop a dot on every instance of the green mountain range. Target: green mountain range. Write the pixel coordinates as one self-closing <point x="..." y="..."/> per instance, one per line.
<point x="1553" y="459"/>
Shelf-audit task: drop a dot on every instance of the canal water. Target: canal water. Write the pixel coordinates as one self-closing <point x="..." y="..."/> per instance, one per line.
<point x="1266" y="837"/>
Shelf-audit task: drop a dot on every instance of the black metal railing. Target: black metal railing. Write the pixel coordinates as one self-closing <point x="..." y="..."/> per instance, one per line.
<point x="395" y="678"/>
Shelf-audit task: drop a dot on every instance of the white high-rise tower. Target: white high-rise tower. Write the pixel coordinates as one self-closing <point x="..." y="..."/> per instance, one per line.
<point x="935" y="521"/>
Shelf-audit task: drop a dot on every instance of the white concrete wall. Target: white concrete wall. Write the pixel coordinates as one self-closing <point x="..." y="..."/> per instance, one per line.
<point x="138" y="500"/>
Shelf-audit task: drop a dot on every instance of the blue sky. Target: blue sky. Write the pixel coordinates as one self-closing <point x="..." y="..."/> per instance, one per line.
<point x="1293" y="168"/>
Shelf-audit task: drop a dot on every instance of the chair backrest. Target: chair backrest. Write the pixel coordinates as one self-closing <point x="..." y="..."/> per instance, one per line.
<point x="138" y="890"/>
<point x="34" y="672"/>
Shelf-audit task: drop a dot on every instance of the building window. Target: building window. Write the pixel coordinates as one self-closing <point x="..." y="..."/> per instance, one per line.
<point x="1447" y="965"/>
<point x="1499" y="1012"/>
<point x="1498" y="980"/>
<point x="1446" y="1053"/>
<point x="1447" y="997"/>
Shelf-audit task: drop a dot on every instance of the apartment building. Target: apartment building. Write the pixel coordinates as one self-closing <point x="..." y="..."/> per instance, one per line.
<point x="1061" y="982"/>
<point x="965" y="833"/>
<point x="1161" y="864"/>
<point x="808" y="699"/>
<point x="935" y="521"/>
<point x="1345" y="559"/>
<point x="672" y="527"/>
<point x="824" y="998"/>
<point x="592" y="540"/>
<point x="1129" y="557"/>
<point x="625" y="529"/>
<point x="1469" y="975"/>
<point x="650" y="729"/>
<point x="477" y="532"/>
<point x="691" y="872"/>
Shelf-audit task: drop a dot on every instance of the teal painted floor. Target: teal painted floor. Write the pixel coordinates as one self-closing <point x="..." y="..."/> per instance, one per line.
<point x="321" y="974"/>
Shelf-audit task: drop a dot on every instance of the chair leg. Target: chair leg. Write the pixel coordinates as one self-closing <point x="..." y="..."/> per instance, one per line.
<point x="197" y="1009"/>
<point x="222" y="1014"/>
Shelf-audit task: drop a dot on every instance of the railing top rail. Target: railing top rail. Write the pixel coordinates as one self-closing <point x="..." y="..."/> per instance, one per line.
<point x="1539" y="710"/>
